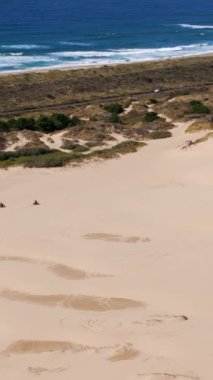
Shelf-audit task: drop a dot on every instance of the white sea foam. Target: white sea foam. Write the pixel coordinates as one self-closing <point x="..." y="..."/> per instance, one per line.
<point x="23" y="47"/>
<point x="16" y="54"/>
<point x="20" y="61"/>
<point x="191" y="26"/>
<point x="69" y="43"/>
<point x="137" y="54"/>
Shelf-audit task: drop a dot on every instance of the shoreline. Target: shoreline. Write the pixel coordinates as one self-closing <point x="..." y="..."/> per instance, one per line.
<point x="101" y="65"/>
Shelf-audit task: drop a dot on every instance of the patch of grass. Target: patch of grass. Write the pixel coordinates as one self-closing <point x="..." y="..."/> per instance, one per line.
<point x="204" y="138"/>
<point x="75" y="147"/>
<point x="200" y="126"/>
<point x="128" y="147"/>
<point x="122" y="148"/>
<point x="160" y="134"/>
<point x="198" y="107"/>
<point x="51" y="160"/>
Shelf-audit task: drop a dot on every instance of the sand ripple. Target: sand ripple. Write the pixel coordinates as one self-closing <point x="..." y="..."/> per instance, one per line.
<point x="37" y="346"/>
<point x="59" y="270"/>
<point x="116" y="238"/>
<point x="80" y="302"/>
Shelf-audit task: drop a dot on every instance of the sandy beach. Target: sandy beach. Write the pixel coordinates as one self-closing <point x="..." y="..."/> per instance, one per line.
<point x="111" y="276"/>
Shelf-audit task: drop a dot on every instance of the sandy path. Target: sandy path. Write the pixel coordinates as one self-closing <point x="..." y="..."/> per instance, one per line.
<point x="144" y="223"/>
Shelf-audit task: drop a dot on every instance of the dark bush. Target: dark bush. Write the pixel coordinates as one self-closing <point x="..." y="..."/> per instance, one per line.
<point x="46" y="124"/>
<point x="114" y="108"/>
<point x="3" y="126"/>
<point x="153" y="101"/>
<point x="198" y="107"/>
<point x="151" y="116"/>
<point x="59" y="120"/>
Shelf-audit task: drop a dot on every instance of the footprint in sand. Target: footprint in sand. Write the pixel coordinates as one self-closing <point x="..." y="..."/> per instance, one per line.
<point x="60" y="270"/>
<point x="80" y="302"/>
<point x="100" y="325"/>
<point x="166" y="376"/>
<point x="116" y="238"/>
<point x="156" y="320"/>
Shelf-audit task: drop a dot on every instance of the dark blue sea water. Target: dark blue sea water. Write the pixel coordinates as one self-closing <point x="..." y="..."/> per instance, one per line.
<point x="61" y="33"/>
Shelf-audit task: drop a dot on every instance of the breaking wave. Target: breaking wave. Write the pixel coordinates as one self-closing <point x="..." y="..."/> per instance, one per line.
<point x="190" y="26"/>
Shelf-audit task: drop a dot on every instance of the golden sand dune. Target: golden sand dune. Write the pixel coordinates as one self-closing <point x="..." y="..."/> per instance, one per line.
<point x="37" y="346"/>
<point x="80" y="302"/>
<point x="116" y="238"/>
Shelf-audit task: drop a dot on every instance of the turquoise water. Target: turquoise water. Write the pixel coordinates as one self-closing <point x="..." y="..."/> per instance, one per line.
<point x="61" y="33"/>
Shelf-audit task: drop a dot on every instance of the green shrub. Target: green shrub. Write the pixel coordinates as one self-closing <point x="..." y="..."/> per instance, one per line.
<point x="46" y="124"/>
<point x="20" y="124"/>
<point x="160" y="134"/>
<point x="114" y="108"/>
<point x="114" y="118"/>
<point x="74" y="121"/>
<point x="198" y="107"/>
<point x="151" y="116"/>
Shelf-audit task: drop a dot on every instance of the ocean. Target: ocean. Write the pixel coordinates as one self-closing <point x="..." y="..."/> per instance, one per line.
<point x="62" y="33"/>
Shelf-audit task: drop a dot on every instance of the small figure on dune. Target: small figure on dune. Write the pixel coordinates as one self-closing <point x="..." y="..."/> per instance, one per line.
<point x="36" y="203"/>
<point x="2" y="205"/>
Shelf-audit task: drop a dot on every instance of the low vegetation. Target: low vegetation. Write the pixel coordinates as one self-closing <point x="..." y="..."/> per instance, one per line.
<point x="46" y="124"/>
<point x="73" y="146"/>
<point x="160" y="134"/>
<point x="47" y="158"/>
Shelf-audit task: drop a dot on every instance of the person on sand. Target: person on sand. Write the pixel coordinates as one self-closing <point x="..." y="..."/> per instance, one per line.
<point x="36" y="203"/>
<point x="2" y="205"/>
